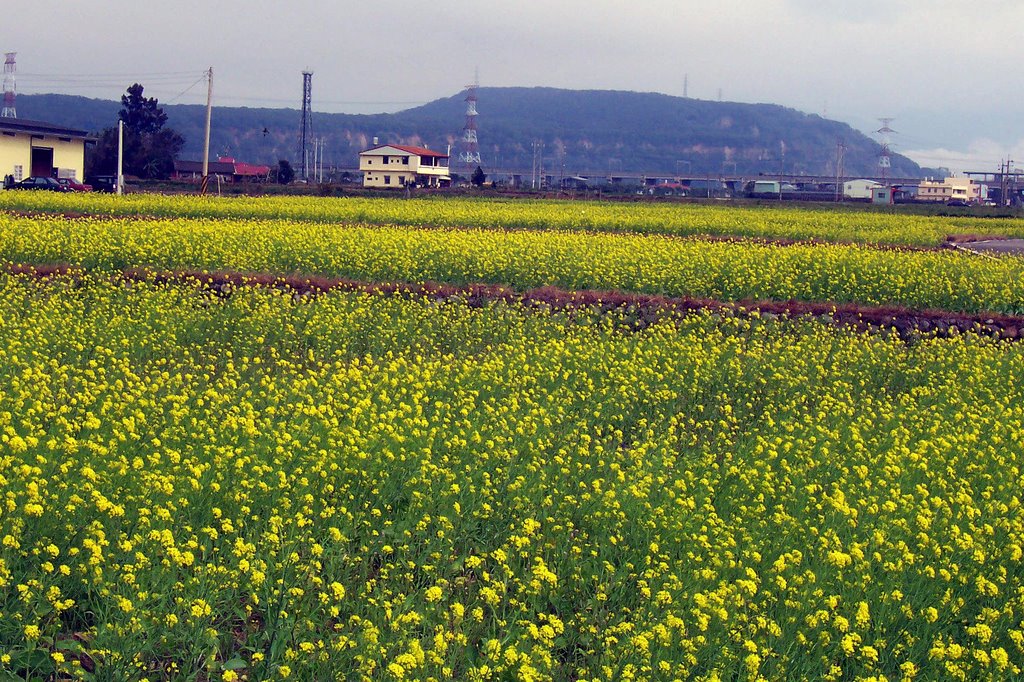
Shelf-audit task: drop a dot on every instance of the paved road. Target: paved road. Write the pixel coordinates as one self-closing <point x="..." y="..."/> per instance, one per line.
<point x="996" y="246"/>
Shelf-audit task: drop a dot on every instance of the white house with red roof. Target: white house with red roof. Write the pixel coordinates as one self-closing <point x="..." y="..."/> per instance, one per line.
<point x="400" y="165"/>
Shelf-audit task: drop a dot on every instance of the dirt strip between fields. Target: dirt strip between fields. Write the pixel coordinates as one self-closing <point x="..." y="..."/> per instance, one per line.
<point x="642" y="309"/>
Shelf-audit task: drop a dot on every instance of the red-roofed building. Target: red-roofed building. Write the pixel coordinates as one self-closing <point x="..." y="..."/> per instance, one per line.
<point x="226" y="167"/>
<point x="400" y="165"/>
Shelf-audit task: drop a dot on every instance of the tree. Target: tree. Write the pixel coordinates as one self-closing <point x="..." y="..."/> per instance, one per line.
<point x="285" y="172"/>
<point x="149" y="147"/>
<point x="478" y="177"/>
<point x="141" y="114"/>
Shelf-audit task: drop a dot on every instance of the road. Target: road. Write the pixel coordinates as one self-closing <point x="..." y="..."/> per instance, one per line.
<point x="996" y="246"/>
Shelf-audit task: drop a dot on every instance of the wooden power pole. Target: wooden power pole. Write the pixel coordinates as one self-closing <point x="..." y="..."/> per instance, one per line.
<point x="206" y="140"/>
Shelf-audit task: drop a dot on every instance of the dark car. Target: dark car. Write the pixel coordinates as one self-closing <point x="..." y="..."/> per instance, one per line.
<point x="957" y="202"/>
<point x="39" y="182"/>
<point x="103" y="183"/>
<point x="71" y="185"/>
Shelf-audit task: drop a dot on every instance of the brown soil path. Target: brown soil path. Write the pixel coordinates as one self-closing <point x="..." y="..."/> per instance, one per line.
<point x="642" y="310"/>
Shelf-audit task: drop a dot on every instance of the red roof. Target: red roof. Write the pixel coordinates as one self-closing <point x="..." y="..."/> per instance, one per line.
<point x="250" y="169"/>
<point x="418" y="151"/>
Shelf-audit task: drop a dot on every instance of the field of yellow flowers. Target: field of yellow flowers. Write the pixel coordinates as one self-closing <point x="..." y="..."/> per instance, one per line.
<point x="869" y="227"/>
<point x="650" y="264"/>
<point x="241" y="483"/>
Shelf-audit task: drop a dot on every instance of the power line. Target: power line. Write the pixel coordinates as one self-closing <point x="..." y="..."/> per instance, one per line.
<point x="197" y="82"/>
<point x="242" y="98"/>
<point x="132" y="74"/>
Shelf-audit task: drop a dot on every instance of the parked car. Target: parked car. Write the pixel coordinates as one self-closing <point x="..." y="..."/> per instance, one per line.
<point x="40" y="182"/>
<point x="957" y="202"/>
<point x="71" y="185"/>
<point x="103" y="183"/>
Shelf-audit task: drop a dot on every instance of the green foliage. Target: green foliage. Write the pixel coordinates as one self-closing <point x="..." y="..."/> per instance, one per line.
<point x="247" y="486"/>
<point x="140" y="114"/>
<point x="478" y="177"/>
<point x="285" y="172"/>
<point x="149" y="147"/>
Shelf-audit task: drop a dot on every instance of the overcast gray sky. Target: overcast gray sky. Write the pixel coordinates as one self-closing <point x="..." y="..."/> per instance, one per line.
<point x="947" y="71"/>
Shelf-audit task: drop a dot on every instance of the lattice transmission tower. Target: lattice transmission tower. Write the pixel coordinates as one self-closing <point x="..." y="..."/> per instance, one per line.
<point x="10" y="86"/>
<point x="470" y="152"/>
<point x="307" y="122"/>
<point x="885" y="156"/>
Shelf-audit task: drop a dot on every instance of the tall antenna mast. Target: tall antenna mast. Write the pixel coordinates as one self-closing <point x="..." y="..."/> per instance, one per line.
<point x="10" y="86"/>
<point x="307" y="120"/>
<point x="884" y="160"/>
<point x="686" y="86"/>
<point x="470" y="154"/>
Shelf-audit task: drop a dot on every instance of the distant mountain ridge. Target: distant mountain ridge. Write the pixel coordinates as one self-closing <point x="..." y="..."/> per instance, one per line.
<point x="574" y="131"/>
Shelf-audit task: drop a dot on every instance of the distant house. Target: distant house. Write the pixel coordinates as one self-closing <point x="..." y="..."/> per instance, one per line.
<point x="226" y="167"/>
<point x="950" y="189"/>
<point x="399" y="165"/>
<point x="34" y="148"/>
<point x="756" y="188"/>
<point x="860" y="189"/>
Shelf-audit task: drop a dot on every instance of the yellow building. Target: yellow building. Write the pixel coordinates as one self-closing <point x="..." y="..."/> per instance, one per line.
<point x="33" y="148"/>
<point x="399" y="165"/>
<point x="950" y="189"/>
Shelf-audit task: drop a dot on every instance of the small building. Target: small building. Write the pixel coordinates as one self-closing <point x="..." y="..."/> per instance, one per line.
<point x="859" y="189"/>
<point x="764" y="187"/>
<point x="399" y="165"/>
<point x="755" y="188"/>
<point x="35" y="148"/>
<point x="882" y="195"/>
<point x="226" y="167"/>
<point x="575" y="182"/>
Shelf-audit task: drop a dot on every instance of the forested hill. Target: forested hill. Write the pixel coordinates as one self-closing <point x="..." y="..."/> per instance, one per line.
<point x="592" y="131"/>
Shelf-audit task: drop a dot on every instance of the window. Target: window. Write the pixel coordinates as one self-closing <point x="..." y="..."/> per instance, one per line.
<point x="405" y="160"/>
<point x="384" y="160"/>
<point x="387" y="179"/>
<point x="19" y="173"/>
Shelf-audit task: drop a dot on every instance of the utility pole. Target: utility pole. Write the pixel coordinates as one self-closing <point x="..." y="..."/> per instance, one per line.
<point x="1006" y="185"/>
<point x="120" y="156"/>
<point x="538" y="164"/>
<point x="206" y="138"/>
<point x="782" y="164"/>
<point x="316" y="159"/>
<point x="840" y="153"/>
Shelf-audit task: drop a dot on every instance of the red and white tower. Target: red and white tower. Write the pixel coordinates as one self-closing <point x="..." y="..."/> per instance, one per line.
<point x="10" y="86"/>
<point x="470" y="153"/>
